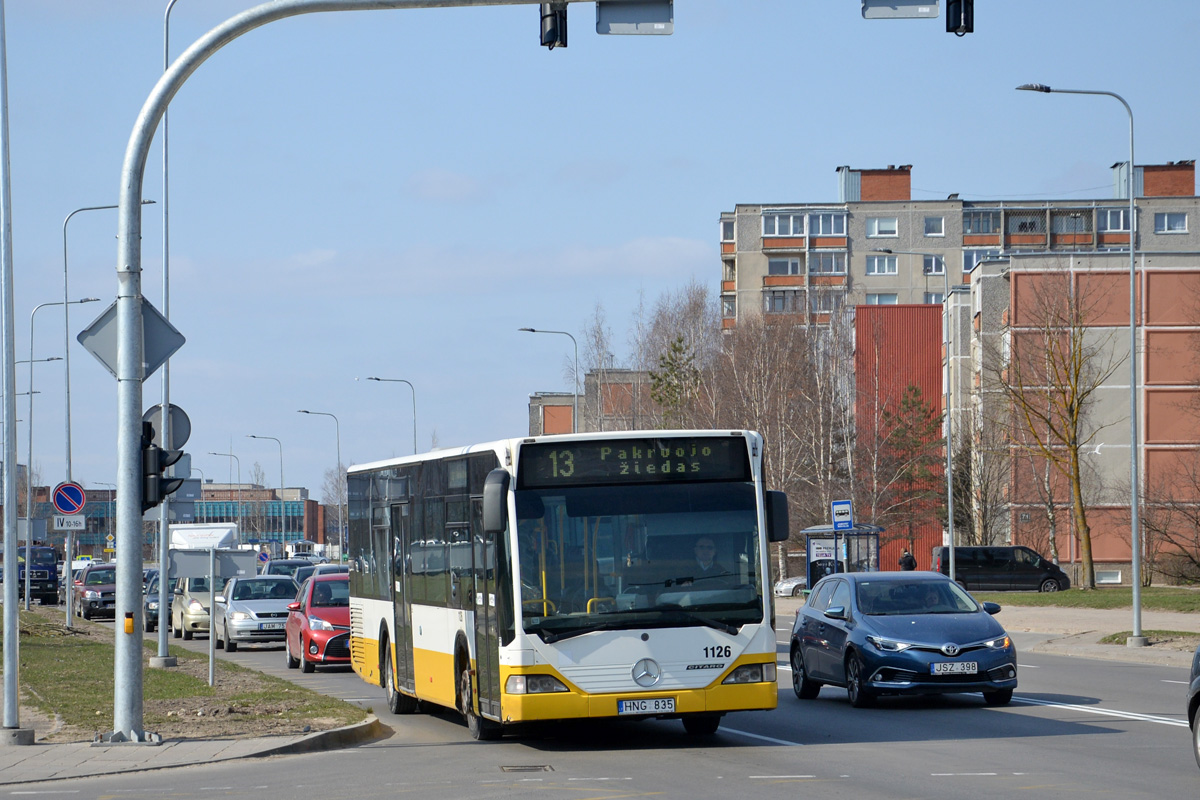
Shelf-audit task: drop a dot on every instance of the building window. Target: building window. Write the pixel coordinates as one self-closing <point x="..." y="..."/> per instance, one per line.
<point x="1026" y="222"/>
<point x="1170" y="222"/>
<point x="881" y="265"/>
<point x="881" y="227"/>
<point x="935" y="226"/>
<point x="971" y="258"/>
<point x="934" y="265"/>
<point x="1113" y="220"/>
<point x="831" y="224"/>
<point x="979" y="222"/>
<point x="728" y="307"/>
<point x="825" y="263"/>
<point x="784" y="266"/>
<point x="825" y="302"/>
<point x="885" y="299"/>
<point x="727" y="230"/>
<point x="1071" y="222"/>
<point x="783" y="302"/>
<point x="934" y="298"/>
<point x="783" y="224"/>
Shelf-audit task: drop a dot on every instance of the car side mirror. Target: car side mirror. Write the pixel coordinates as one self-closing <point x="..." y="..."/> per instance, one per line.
<point x="294" y="606"/>
<point x="991" y="608"/>
<point x="836" y="612"/>
<point x="219" y="599"/>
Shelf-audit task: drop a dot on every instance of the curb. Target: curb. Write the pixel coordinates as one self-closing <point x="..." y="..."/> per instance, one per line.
<point x="368" y="730"/>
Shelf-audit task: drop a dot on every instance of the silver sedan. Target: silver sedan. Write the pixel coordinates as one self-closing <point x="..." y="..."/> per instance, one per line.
<point x="251" y="610"/>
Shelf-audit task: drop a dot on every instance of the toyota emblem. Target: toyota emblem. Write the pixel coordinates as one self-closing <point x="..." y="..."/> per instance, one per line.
<point x="646" y="672"/>
<point x="950" y="649"/>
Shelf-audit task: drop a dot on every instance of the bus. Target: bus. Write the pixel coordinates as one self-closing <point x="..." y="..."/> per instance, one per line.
<point x="568" y="577"/>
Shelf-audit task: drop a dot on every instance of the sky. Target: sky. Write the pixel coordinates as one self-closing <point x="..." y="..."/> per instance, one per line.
<point x="395" y="193"/>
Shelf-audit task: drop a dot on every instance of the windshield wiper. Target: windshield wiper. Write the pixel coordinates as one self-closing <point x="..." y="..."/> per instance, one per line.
<point x="549" y="637"/>
<point x="683" y="580"/>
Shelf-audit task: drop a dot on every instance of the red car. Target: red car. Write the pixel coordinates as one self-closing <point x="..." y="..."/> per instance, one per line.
<point x="318" y="623"/>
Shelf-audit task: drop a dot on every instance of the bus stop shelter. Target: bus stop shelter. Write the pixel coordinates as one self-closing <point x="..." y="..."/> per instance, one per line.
<point x="828" y="550"/>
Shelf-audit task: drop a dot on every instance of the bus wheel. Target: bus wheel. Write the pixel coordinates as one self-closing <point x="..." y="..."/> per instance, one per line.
<point x="480" y="728"/>
<point x="397" y="703"/>
<point x="702" y="724"/>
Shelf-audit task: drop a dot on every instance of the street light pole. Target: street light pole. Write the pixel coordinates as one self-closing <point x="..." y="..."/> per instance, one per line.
<point x="341" y="483"/>
<point x="202" y="482"/>
<point x="949" y="391"/>
<point x="414" y="399"/>
<point x="239" y="494"/>
<point x="1137" y="639"/>
<point x="575" y="389"/>
<point x="282" y="508"/>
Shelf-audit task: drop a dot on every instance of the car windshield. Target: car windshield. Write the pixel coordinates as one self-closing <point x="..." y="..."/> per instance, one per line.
<point x="100" y="577"/>
<point x="43" y="556"/>
<point x="593" y="558"/>
<point x="331" y="594"/>
<point x="256" y="589"/>
<point x="882" y="598"/>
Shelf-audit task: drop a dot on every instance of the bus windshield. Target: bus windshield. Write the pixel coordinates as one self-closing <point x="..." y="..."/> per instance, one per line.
<point x="638" y="556"/>
<point x="43" y="556"/>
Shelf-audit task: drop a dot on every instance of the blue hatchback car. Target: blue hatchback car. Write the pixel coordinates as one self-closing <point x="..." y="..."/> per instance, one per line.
<point x="899" y="633"/>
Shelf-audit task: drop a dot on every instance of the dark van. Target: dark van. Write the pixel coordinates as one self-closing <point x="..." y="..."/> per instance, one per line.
<point x="1001" y="568"/>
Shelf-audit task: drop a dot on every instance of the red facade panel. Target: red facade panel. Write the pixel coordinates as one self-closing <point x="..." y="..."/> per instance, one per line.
<point x="897" y="346"/>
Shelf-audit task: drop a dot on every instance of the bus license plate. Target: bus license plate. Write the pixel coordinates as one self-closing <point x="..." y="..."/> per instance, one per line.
<point x="270" y="626"/>
<point x="661" y="705"/>
<point x="954" y="668"/>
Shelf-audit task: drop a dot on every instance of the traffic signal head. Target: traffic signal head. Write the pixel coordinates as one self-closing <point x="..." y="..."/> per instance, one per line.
<point x="155" y="461"/>
<point x="554" y="25"/>
<point x="960" y="16"/>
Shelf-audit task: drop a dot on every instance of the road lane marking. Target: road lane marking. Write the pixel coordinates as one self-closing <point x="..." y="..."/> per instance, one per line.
<point x="761" y="737"/>
<point x="1104" y="712"/>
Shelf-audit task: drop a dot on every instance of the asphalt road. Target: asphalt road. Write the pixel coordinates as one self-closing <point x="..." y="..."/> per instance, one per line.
<point x="1076" y="727"/>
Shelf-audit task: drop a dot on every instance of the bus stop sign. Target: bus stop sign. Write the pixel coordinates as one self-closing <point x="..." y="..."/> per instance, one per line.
<point x="843" y="515"/>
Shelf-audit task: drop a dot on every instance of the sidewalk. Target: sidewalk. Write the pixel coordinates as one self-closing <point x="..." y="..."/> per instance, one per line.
<point x="46" y="762"/>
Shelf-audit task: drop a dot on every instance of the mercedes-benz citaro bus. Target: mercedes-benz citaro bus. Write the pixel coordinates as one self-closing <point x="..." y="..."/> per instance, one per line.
<point x="568" y="577"/>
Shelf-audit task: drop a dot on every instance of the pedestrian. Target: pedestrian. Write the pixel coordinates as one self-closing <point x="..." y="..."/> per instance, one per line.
<point x="907" y="562"/>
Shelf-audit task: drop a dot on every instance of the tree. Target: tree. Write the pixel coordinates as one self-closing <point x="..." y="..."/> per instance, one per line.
<point x="912" y="457"/>
<point x="1048" y="371"/>
<point x="675" y="385"/>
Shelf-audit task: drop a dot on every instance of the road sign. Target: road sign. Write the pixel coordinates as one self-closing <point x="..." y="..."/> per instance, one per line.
<point x="70" y="522"/>
<point x="160" y="340"/>
<point x="110" y="539"/>
<point x="264" y="556"/>
<point x="843" y="515"/>
<point x="181" y="426"/>
<point x="69" y="498"/>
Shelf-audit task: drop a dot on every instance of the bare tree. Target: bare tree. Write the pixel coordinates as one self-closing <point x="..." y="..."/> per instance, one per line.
<point x="598" y="358"/>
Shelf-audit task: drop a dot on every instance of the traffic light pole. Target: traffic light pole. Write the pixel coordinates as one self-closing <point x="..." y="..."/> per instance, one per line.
<point x="127" y="679"/>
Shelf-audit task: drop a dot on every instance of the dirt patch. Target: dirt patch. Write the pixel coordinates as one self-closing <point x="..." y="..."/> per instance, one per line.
<point x="222" y="714"/>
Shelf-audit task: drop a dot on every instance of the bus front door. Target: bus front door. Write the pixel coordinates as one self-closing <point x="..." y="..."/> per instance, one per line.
<point x="487" y="641"/>
<point x="400" y="595"/>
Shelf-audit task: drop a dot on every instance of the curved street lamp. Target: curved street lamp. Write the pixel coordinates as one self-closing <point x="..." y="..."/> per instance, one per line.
<point x="414" y="399"/>
<point x="282" y="508"/>
<point x="575" y="389"/>
<point x="341" y="482"/>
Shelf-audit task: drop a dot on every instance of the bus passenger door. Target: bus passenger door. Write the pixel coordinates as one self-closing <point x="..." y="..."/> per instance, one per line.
<point x="400" y="595"/>
<point x="487" y="641"/>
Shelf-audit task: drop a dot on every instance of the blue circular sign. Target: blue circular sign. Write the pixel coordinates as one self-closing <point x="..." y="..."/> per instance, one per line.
<point x="69" y="498"/>
<point x="264" y="556"/>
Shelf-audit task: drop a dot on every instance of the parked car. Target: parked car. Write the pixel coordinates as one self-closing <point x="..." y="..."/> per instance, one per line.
<point x="147" y="574"/>
<point x="150" y="615"/>
<point x="1193" y="705"/>
<point x="1001" y="569"/>
<point x="318" y="623"/>
<point x="95" y="591"/>
<point x="899" y="633"/>
<point x="189" y="606"/>
<point x="284" y="566"/>
<point x="252" y="609"/>
<point x="791" y="587"/>
<point x="306" y="572"/>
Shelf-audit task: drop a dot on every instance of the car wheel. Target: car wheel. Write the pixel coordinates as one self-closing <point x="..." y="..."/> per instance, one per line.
<point x="397" y="703"/>
<point x="176" y="630"/>
<point x="859" y="696"/>
<point x="306" y="666"/>
<point x="1000" y="697"/>
<point x="480" y="728"/>
<point x="230" y="645"/>
<point x="701" y="724"/>
<point x="1049" y="585"/>
<point x="1196" y="734"/>
<point x="149" y="625"/>
<point x="804" y="688"/>
<point x="798" y="591"/>
<point x="85" y="613"/>
<point x="292" y="663"/>
<point x="218" y="642"/>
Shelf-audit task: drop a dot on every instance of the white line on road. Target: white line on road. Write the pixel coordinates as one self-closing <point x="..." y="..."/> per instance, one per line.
<point x="1104" y="712"/>
<point x="758" y="736"/>
<point x="1181" y="683"/>
<point x="777" y="777"/>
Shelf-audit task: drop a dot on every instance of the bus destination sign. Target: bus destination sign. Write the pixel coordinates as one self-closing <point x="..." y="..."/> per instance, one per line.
<point x="660" y="460"/>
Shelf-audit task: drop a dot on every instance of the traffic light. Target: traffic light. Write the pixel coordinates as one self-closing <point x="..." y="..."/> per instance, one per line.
<point x="155" y="460"/>
<point x="554" y="25"/>
<point x="960" y="16"/>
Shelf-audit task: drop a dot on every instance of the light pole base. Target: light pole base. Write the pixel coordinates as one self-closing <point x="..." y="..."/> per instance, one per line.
<point x="164" y="661"/>
<point x="16" y="736"/>
<point x="126" y="737"/>
<point x="1136" y="641"/>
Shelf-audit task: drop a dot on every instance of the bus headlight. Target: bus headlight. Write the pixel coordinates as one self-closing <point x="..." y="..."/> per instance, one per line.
<point x="752" y="673"/>
<point x="533" y="684"/>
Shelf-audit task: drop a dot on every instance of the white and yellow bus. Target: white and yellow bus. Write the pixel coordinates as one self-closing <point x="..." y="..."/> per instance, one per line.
<point x="568" y="577"/>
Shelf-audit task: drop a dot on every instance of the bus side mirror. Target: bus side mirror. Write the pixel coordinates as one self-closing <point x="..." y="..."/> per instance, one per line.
<point x="777" y="517"/>
<point x="495" y="501"/>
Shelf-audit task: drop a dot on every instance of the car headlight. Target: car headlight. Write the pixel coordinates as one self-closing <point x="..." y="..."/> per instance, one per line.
<point x="195" y="605"/>
<point x="318" y="624"/>
<point x="1003" y="643"/>
<point x="533" y="684"/>
<point x="88" y="594"/>
<point x="152" y="605"/>
<point x="238" y="616"/>
<point x="751" y="673"/>
<point x="888" y="645"/>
